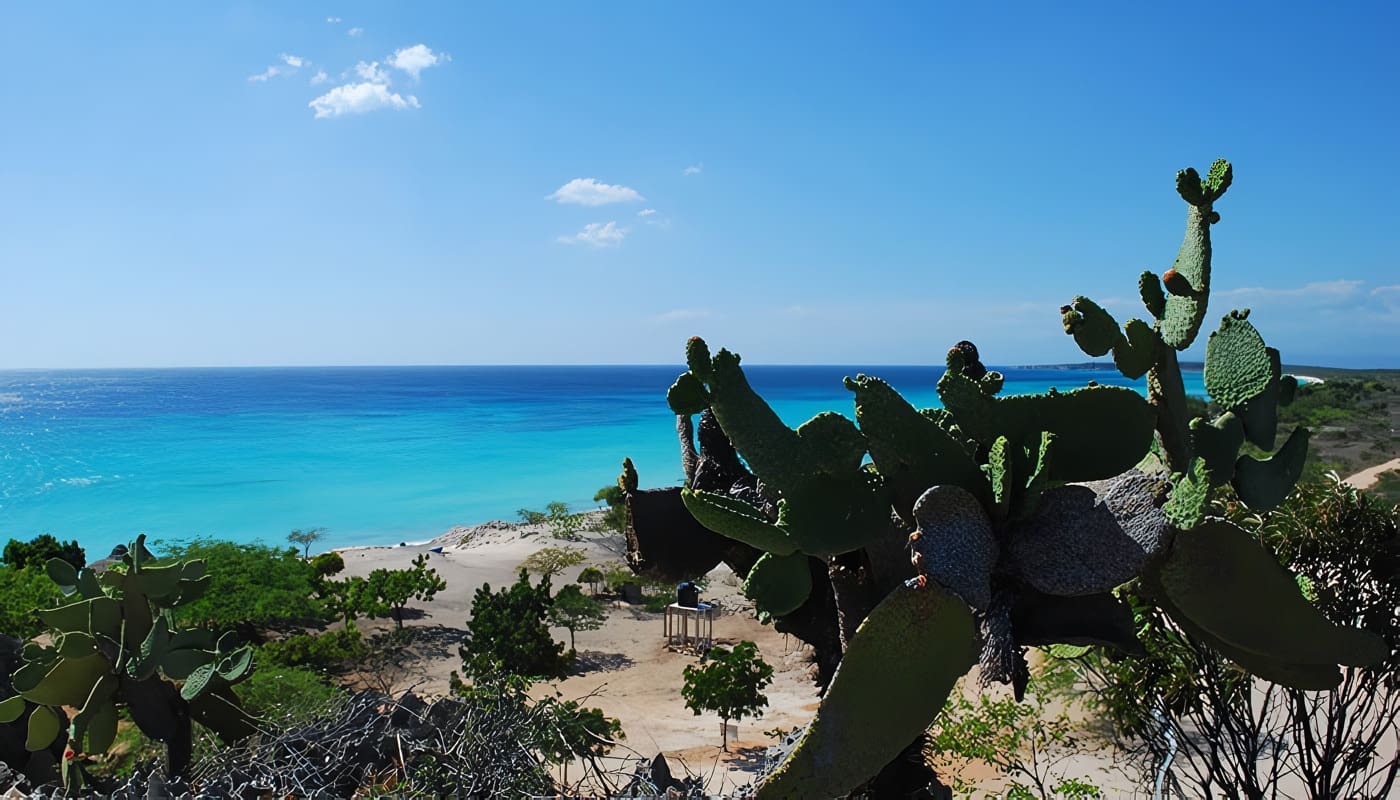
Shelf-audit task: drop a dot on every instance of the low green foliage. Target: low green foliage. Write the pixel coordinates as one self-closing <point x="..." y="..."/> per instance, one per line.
<point x="1027" y="743"/>
<point x="508" y="633"/>
<point x="615" y="517"/>
<point x="553" y="560"/>
<point x="576" y="611"/>
<point x="251" y="584"/>
<point x="327" y="564"/>
<point x="333" y="650"/>
<point x="22" y="591"/>
<point x="288" y="696"/>
<point x="384" y="592"/>
<point x="730" y="683"/>
<point x="564" y="524"/>
<point x="591" y="576"/>
<point x="38" y="551"/>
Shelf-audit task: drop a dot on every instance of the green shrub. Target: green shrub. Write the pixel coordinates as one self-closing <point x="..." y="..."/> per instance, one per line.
<point x="730" y="683"/>
<point x="40" y="549"/>
<point x="288" y="696"/>
<point x="22" y="591"/>
<point x="327" y="564"/>
<point x="332" y="650"/>
<point x="508" y="633"/>
<point x="252" y="584"/>
<point x="615" y="518"/>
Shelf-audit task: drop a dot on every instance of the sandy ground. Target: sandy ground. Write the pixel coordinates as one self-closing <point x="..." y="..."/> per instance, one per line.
<point x="624" y="666"/>
<point x="1367" y="478"/>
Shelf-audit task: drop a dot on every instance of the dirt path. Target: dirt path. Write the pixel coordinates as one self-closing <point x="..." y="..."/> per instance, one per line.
<point x="1367" y="478"/>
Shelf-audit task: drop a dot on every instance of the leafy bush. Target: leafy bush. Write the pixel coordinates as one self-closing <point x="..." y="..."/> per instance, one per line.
<point x="252" y="585"/>
<point x="730" y="683"/>
<point x="576" y="611"/>
<point x="385" y="592"/>
<point x="287" y="696"/>
<point x="529" y="517"/>
<point x="591" y="576"/>
<point x="332" y="650"/>
<point x="327" y="564"/>
<point x="564" y="524"/>
<point x="615" y="518"/>
<point x="508" y="633"/>
<point x="38" y="551"/>
<point x="553" y="560"/>
<point x="22" y="591"/>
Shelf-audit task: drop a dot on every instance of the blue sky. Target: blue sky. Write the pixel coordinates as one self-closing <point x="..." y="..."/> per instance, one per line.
<point x="370" y="183"/>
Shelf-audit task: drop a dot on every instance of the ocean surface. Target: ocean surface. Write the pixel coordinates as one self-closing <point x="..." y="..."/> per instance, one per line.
<point x="376" y="455"/>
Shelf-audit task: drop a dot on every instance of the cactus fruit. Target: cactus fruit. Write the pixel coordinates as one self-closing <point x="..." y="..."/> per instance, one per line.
<point x="1229" y="585"/>
<point x="874" y="707"/>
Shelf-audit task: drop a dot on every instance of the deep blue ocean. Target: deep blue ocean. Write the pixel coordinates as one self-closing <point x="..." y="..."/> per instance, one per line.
<point x="377" y="455"/>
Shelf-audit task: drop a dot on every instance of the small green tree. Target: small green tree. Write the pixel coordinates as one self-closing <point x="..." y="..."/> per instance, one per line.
<point x="507" y="633"/>
<point x="22" y="592"/>
<point x="386" y="592"/>
<point x="576" y="611"/>
<point x="305" y="538"/>
<point x="730" y="683"/>
<point x="40" y="549"/>
<point x="615" y="518"/>
<point x="592" y="576"/>
<point x="564" y="524"/>
<point x="553" y="560"/>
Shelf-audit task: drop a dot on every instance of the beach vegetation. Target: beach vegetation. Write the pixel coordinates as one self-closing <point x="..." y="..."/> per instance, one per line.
<point x="729" y="682"/>
<point x="386" y="592"/>
<point x="614" y="501"/>
<point x="334" y="650"/>
<point x="23" y="591"/>
<point x="38" y="551"/>
<point x="553" y="560"/>
<point x="592" y="576"/>
<point x="1344" y="546"/>
<point x="305" y="537"/>
<point x="576" y="611"/>
<point x="531" y="517"/>
<point x="287" y="696"/>
<point x="509" y="632"/>
<point x="324" y="565"/>
<point x="252" y="585"/>
<point x="1032" y="743"/>
<point x="563" y="523"/>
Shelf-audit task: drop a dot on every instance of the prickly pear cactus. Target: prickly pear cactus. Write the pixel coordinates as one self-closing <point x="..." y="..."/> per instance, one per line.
<point x="1009" y="548"/>
<point x="115" y="643"/>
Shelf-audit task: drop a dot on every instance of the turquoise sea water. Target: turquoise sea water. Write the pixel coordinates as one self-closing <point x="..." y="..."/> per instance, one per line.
<point x="377" y="455"/>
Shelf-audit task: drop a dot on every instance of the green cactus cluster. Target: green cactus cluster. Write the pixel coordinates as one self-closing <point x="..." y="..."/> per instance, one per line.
<point x="116" y="643"/>
<point x="1009" y="546"/>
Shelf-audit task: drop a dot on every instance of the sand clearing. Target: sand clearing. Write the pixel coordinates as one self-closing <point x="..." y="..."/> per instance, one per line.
<point x="1367" y="478"/>
<point x="624" y="665"/>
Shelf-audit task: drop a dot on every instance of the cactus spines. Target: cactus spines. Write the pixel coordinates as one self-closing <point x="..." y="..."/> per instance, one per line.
<point x="697" y="358"/>
<point x="872" y="709"/>
<point x="1188" y="288"/>
<point x="1237" y="363"/>
<point x="1094" y="330"/>
<point x="738" y="520"/>
<point x="1226" y="583"/>
<point x="1074" y="545"/>
<point x="1153" y="298"/>
<point x="956" y="545"/>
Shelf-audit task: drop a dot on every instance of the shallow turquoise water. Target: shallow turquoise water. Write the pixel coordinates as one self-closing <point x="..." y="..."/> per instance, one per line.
<point x="376" y="455"/>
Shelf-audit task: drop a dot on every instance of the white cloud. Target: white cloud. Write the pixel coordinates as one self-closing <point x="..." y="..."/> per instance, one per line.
<point x="319" y="78"/>
<point x="359" y="98"/>
<point x="372" y="73"/>
<point x="646" y="212"/>
<point x="598" y="234"/>
<point x="295" y="62"/>
<point x="270" y="72"/>
<point x="333" y="20"/>
<point x="590" y="192"/>
<point x="415" y="59"/>
<point x="356" y="32"/>
<point x="1321" y="291"/>
<point x="693" y="169"/>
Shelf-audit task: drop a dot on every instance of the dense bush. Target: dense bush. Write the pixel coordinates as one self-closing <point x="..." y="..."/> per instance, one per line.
<point x="287" y="696"/>
<point x="332" y="650"/>
<point x="508" y="633"/>
<point x="252" y="584"/>
<point x="21" y="592"/>
<point x="40" y="549"/>
<point x="615" y="518"/>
